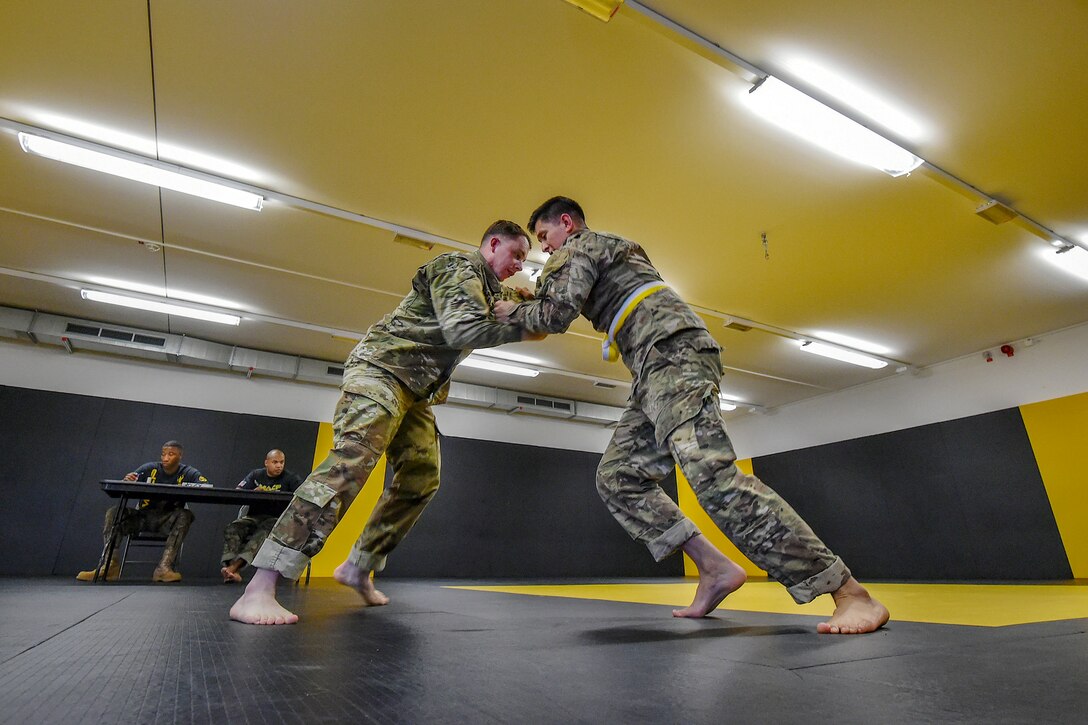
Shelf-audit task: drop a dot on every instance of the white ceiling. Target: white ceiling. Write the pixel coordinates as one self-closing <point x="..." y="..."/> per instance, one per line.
<point x="442" y="116"/>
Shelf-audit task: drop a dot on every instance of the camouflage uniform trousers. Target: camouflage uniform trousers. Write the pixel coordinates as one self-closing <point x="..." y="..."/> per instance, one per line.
<point x="174" y="523"/>
<point x="402" y="426"/>
<point x="244" y="536"/>
<point x="674" y="416"/>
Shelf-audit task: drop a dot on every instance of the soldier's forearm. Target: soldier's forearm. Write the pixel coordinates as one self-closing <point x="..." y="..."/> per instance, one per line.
<point x="480" y="333"/>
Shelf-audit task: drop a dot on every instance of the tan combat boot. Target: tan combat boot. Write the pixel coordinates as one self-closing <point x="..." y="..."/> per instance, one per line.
<point x="165" y="574"/>
<point x="113" y="573"/>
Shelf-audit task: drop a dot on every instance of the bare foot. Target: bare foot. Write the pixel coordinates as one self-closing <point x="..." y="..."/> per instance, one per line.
<point x="258" y="604"/>
<point x="855" y="611"/>
<point x="352" y="576"/>
<point x="714" y="587"/>
<point x="230" y="576"/>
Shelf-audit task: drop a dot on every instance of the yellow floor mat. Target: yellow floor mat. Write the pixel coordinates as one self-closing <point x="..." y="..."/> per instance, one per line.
<point x="982" y="605"/>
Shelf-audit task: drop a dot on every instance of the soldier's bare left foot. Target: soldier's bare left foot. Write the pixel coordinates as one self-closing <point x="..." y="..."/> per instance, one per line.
<point x="855" y="611"/>
<point x="258" y="604"/>
<point x="359" y="579"/>
<point x="261" y="608"/>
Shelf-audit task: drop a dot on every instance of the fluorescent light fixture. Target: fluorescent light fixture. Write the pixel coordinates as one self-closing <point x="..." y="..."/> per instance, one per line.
<point x="159" y="291"/>
<point x="847" y="341"/>
<point x="806" y="117"/>
<point x="473" y="361"/>
<point x="163" y="307"/>
<point x="504" y="355"/>
<point x="147" y="171"/>
<point x="726" y="405"/>
<point x="837" y="353"/>
<point x="1071" y="259"/>
<point x="836" y="85"/>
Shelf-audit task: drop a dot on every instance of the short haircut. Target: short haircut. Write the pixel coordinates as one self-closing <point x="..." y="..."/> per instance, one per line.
<point x="273" y="452"/>
<point x="505" y="228"/>
<point x="555" y="207"/>
<point x="173" y="444"/>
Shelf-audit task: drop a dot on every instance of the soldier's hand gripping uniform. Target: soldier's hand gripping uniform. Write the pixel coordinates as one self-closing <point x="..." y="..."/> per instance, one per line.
<point x="672" y="415"/>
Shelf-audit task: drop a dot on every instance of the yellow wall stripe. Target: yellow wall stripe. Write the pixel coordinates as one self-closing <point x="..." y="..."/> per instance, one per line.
<point x="691" y="508"/>
<point x="339" y="543"/>
<point x="1054" y="427"/>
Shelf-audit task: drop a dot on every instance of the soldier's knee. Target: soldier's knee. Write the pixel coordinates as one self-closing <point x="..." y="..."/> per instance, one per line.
<point x="423" y="493"/>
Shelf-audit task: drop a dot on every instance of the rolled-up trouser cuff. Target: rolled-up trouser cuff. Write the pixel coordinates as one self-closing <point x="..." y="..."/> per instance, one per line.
<point x="678" y="535"/>
<point x="825" y="582"/>
<point x="288" y="562"/>
<point x="366" y="561"/>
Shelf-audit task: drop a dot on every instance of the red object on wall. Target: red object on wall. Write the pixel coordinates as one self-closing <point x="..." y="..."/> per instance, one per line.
<point x="1008" y="350"/>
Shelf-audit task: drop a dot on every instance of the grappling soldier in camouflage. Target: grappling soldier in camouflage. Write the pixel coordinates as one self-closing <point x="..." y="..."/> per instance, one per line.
<point x="392" y="378"/>
<point x="673" y="415"/>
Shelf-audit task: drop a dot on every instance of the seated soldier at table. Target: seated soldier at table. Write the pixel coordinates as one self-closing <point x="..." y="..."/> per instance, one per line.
<point x="159" y="516"/>
<point x="245" y="534"/>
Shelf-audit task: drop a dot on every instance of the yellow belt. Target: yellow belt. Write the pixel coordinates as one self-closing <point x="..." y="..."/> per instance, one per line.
<point x="609" y="351"/>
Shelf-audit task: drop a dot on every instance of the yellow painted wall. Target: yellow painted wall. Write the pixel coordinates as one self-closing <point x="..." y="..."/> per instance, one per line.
<point x="691" y="508"/>
<point x="351" y="525"/>
<point x="1056" y="429"/>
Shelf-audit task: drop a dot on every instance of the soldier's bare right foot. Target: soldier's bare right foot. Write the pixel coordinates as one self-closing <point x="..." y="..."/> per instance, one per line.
<point x="359" y="579"/>
<point x="714" y="587"/>
<point x="261" y="607"/>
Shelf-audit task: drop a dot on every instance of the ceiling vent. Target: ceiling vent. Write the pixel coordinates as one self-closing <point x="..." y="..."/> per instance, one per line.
<point x="16" y="323"/>
<point x="320" y="371"/>
<point x="76" y="334"/>
<point x="606" y="415"/>
<point x="476" y="396"/>
<point x="257" y="362"/>
<point x="525" y="403"/>
<point x="87" y="335"/>
<point x="205" y="354"/>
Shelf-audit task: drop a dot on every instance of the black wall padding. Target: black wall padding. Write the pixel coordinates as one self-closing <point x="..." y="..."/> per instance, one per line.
<point x="958" y="500"/>
<point x="55" y="447"/>
<point x="518" y="511"/>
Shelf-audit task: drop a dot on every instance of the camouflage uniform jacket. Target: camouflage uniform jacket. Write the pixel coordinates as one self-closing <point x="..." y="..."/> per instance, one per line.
<point x="445" y="316"/>
<point x="593" y="273"/>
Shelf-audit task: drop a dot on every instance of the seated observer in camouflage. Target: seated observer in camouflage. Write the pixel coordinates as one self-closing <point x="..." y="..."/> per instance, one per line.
<point x="244" y="536"/>
<point x="153" y="515"/>
<point x="673" y="417"/>
<point x="400" y="368"/>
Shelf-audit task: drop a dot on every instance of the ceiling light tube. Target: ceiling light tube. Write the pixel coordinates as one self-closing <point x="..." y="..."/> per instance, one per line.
<point x="806" y="117"/>
<point x="838" y="353"/>
<point x="135" y="168"/>
<point x="473" y="361"/>
<point x="1072" y="259"/>
<point x="726" y="404"/>
<point x="163" y="307"/>
<point x="494" y="352"/>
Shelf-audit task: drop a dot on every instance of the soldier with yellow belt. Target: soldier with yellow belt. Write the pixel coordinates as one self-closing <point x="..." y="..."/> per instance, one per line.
<point x="673" y="416"/>
<point x="392" y="378"/>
